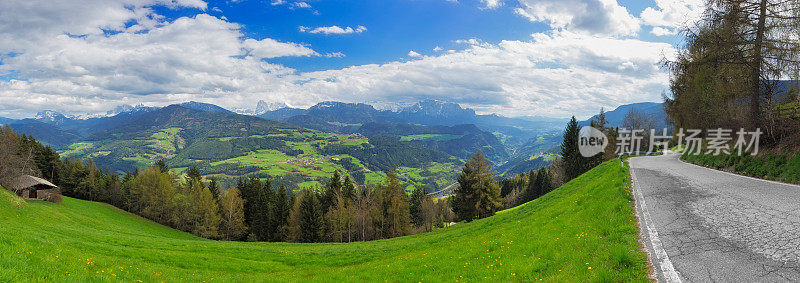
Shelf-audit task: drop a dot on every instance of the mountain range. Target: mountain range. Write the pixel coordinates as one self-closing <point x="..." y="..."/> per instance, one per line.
<point x="200" y="133"/>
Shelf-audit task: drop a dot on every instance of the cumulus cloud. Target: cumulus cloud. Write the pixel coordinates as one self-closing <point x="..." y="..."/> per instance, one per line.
<point x="600" y="17"/>
<point x="71" y="63"/>
<point x="669" y="16"/>
<point x="270" y="48"/>
<point x="557" y="74"/>
<point x="333" y="30"/>
<point x="414" y="54"/>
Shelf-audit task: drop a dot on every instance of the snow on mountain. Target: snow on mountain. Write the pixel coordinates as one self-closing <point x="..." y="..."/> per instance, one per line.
<point x="261" y="108"/>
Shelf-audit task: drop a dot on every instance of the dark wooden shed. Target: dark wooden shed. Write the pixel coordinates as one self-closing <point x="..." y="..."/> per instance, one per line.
<point x="30" y="187"/>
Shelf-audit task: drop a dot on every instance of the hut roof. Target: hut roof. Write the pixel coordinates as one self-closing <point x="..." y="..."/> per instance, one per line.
<point x="27" y="181"/>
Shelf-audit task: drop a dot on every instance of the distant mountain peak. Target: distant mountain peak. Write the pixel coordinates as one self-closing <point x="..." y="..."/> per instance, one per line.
<point x="433" y="107"/>
<point x="50" y="116"/>
<point x="125" y="108"/>
<point x="264" y="107"/>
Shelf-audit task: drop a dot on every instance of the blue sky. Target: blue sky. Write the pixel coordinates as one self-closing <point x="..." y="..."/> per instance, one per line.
<point x="394" y="27"/>
<point x="513" y="57"/>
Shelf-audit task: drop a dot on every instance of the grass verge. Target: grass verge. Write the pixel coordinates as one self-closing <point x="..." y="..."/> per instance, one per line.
<point x="782" y="167"/>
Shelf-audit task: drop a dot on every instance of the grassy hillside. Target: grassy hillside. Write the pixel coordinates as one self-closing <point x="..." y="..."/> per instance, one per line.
<point x="584" y="230"/>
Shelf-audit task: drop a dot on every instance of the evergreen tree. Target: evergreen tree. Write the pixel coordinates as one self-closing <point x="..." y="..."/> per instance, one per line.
<point x="348" y="188"/>
<point x="162" y="166"/>
<point x="194" y="173"/>
<point x="307" y="218"/>
<point x="281" y="213"/>
<point x="530" y="191"/>
<point x="418" y="197"/>
<point x="601" y="123"/>
<point x="478" y="195"/>
<point x="542" y="185"/>
<point x="258" y="210"/>
<point x="213" y="186"/>
<point x="265" y="224"/>
<point x="334" y="189"/>
<point x="574" y="164"/>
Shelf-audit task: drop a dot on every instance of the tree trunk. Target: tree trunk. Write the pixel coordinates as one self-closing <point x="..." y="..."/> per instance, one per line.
<point x="755" y="107"/>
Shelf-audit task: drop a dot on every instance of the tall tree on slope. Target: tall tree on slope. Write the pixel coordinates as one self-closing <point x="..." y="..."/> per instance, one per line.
<point x="477" y="195"/>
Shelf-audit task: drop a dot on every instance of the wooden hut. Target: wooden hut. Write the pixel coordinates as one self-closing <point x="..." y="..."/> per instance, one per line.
<point x="30" y="187"/>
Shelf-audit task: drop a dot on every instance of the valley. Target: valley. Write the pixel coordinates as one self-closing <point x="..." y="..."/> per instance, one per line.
<point x="426" y="142"/>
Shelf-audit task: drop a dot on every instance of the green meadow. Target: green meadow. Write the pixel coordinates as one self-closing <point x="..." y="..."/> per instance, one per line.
<point x="584" y="231"/>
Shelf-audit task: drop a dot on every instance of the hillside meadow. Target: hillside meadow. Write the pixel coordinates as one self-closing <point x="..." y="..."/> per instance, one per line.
<point x="584" y="230"/>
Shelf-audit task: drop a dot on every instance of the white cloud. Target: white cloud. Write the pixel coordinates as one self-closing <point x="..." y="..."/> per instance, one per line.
<point x="270" y="48"/>
<point x="292" y="5"/>
<point x="414" y="54"/>
<point x="333" y="30"/>
<point x="335" y="55"/>
<point x="491" y="4"/>
<point x="70" y="64"/>
<point x="556" y="74"/>
<point x="669" y="16"/>
<point x="598" y="17"/>
<point x="303" y="5"/>
<point x="437" y="49"/>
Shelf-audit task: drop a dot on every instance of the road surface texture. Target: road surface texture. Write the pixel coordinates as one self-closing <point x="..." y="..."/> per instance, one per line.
<point x="704" y="225"/>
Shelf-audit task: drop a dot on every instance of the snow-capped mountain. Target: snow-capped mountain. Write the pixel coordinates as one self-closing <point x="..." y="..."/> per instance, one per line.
<point x="264" y="107"/>
<point x="51" y="117"/>
<point x="261" y="108"/>
<point x="128" y="108"/>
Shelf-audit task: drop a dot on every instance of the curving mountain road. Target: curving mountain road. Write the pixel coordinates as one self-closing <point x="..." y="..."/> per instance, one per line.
<point x="704" y="225"/>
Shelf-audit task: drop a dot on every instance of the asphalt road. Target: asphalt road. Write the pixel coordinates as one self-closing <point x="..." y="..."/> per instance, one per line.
<point x="704" y="225"/>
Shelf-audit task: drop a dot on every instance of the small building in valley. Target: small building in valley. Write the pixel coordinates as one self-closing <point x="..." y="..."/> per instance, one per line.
<point x="30" y="187"/>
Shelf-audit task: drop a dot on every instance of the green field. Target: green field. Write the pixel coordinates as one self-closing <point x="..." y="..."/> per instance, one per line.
<point x="293" y="156"/>
<point x="584" y="231"/>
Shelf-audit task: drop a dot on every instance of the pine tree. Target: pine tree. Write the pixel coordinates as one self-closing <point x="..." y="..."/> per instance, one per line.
<point x="281" y="213"/>
<point x="258" y="210"/>
<point x="478" y="195"/>
<point x="542" y="184"/>
<point x="334" y="188"/>
<point x="530" y="191"/>
<point x="600" y="123"/>
<point x="574" y="164"/>
<point x="418" y="197"/>
<point x="348" y="188"/>
<point x="213" y="186"/>
<point x="162" y="166"/>
<point x="194" y="173"/>
<point x="307" y="217"/>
